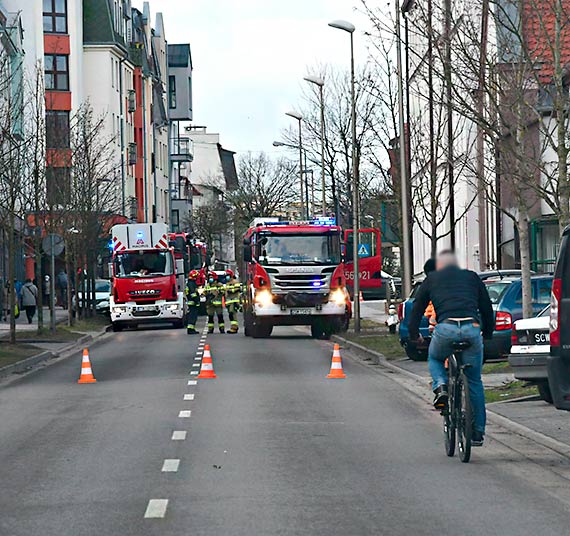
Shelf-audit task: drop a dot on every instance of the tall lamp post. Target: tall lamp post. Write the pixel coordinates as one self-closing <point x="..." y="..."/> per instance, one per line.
<point x="350" y="28"/>
<point x="299" y="118"/>
<point x="405" y="202"/>
<point x="320" y="83"/>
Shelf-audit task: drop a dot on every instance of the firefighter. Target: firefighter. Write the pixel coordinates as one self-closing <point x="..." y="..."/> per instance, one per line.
<point x="214" y="291"/>
<point x="193" y="301"/>
<point x="233" y="300"/>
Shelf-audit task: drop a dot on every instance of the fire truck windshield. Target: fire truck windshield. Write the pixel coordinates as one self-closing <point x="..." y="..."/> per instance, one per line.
<point x="285" y="249"/>
<point x="143" y="264"/>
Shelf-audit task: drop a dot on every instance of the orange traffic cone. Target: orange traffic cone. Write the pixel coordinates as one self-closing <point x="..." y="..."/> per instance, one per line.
<point x="86" y="372"/>
<point x="207" y="369"/>
<point x="336" y="365"/>
<point x="360" y="296"/>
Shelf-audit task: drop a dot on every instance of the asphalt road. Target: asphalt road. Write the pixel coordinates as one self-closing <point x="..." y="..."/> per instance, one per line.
<point x="271" y="448"/>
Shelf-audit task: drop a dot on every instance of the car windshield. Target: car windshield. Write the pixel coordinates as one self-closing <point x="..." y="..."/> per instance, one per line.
<point x="102" y="286"/>
<point x="299" y="249"/>
<point x="143" y="264"/>
<point x="496" y="290"/>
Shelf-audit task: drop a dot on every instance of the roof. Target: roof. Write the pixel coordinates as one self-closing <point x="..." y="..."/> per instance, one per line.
<point x="98" y="25"/>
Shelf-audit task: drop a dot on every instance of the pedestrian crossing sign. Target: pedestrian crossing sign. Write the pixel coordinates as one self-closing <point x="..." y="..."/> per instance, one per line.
<point x="364" y="250"/>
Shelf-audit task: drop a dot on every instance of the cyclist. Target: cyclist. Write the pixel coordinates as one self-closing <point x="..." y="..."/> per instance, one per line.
<point x="463" y="311"/>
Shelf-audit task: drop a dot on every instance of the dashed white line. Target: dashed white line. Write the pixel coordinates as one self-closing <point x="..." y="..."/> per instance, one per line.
<point x="194" y="373"/>
<point x="185" y="414"/>
<point x="195" y="364"/>
<point x="170" y="466"/>
<point x="156" y="508"/>
<point x="197" y="359"/>
<point x="179" y="435"/>
<point x="189" y="397"/>
<point x="192" y="382"/>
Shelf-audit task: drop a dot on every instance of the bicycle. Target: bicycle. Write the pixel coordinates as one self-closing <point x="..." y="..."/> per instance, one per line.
<point x="458" y="417"/>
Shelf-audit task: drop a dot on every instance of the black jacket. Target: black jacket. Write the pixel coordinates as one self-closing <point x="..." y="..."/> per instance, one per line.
<point x="455" y="293"/>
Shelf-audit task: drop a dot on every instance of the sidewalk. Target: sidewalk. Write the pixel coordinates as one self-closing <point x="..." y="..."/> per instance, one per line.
<point x="22" y="321"/>
<point x="530" y="412"/>
<point x="374" y="310"/>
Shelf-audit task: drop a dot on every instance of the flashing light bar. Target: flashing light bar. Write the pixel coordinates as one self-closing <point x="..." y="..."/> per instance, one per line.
<point x="322" y="221"/>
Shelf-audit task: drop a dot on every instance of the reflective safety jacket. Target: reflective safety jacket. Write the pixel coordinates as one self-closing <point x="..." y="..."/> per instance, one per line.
<point x="214" y="293"/>
<point x="233" y="291"/>
<point x="192" y="293"/>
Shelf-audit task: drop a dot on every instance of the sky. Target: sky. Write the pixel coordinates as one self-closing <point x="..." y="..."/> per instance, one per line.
<point x="250" y="57"/>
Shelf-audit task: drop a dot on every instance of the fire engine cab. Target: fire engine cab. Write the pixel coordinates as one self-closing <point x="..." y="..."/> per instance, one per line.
<point x="148" y="282"/>
<point x="295" y="276"/>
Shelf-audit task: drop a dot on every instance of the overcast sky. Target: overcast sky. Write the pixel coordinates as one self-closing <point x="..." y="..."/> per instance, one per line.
<point x="250" y="57"/>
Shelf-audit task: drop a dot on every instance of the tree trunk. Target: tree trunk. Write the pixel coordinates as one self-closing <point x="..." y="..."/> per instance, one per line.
<point x="524" y="244"/>
<point x="39" y="279"/>
<point x="68" y="269"/>
<point x="12" y="296"/>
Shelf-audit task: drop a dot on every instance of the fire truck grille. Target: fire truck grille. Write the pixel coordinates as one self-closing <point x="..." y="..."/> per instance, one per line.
<point x="300" y="282"/>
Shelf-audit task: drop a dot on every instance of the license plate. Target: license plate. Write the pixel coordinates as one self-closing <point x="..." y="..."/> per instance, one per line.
<point x="306" y="311"/>
<point x="142" y="309"/>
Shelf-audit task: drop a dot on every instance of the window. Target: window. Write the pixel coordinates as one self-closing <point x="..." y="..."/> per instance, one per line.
<point x="172" y="92"/>
<point x="58" y="186"/>
<point x="57" y="130"/>
<point x="56" y="72"/>
<point x="55" y="16"/>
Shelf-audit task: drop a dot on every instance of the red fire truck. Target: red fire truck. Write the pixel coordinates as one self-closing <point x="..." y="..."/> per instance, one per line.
<point x="295" y="276"/>
<point x="193" y="252"/>
<point x="148" y="282"/>
<point x="369" y="262"/>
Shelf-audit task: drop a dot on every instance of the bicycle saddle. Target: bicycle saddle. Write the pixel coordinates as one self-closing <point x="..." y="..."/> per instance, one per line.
<point x="459" y="346"/>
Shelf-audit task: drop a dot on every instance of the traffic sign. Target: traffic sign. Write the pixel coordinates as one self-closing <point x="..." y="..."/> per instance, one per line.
<point x="364" y="250"/>
<point x="53" y="244"/>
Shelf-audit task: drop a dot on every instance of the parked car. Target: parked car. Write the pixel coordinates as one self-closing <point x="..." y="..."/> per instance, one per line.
<point x="558" y="364"/>
<point x="504" y="302"/>
<point x="506" y="297"/>
<point x="530" y="348"/>
<point x="102" y="296"/>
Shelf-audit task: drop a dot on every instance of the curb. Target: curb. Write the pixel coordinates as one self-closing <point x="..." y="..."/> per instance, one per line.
<point x="26" y="364"/>
<point x="495" y="418"/>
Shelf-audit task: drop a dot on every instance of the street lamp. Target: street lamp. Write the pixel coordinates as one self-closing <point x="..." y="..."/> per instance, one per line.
<point x="320" y="83"/>
<point x="350" y="28"/>
<point x="299" y="118"/>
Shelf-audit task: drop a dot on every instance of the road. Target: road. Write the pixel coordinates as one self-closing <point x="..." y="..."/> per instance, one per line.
<point x="271" y="448"/>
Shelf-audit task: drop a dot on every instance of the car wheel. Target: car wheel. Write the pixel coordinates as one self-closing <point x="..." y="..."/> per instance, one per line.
<point x="414" y="354"/>
<point x="117" y="327"/>
<point x="179" y="324"/>
<point x="262" y="331"/>
<point x="544" y="392"/>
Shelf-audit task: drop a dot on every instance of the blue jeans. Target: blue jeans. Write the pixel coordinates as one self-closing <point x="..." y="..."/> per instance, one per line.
<point x="441" y="347"/>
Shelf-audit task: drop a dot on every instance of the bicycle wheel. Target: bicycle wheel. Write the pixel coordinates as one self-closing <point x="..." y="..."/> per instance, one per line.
<point x="464" y="420"/>
<point x="449" y="430"/>
<point x="449" y="434"/>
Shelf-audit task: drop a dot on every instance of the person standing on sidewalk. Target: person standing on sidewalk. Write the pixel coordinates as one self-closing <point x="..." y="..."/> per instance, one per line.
<point x="463" y="312"/>
<point x="29" y="299"/>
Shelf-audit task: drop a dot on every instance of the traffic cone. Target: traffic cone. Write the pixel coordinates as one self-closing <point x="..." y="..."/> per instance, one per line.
<point x="86" y="372"/>
<point x="336" y="372"/>
<point x="207" y="369"/>
<point x="360" y="296"/>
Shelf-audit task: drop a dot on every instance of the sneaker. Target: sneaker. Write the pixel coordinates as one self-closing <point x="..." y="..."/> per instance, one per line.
<point x="441" y="398"/>
<point x="477" y="439"/>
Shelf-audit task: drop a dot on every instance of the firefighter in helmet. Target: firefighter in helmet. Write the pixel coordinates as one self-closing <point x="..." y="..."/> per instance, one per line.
<point x="233" y="300"/>
<point x="214" y="291"/>
<point x="193" y="298"/>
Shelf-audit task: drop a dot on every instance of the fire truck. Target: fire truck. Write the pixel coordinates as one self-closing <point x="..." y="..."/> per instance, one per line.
<point x="295" y="276"/>
<point x="369" y="262"/>
<point x="148" y="281"/>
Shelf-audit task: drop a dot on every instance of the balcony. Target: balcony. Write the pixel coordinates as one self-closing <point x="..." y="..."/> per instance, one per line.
<point x="182" y="150"/>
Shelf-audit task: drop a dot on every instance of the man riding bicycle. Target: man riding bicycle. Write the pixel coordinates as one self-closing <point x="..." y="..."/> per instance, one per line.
<point x="464" y="311"/>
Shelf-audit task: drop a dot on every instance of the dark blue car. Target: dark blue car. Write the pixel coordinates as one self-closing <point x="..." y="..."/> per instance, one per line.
<point x="505" y="291"/>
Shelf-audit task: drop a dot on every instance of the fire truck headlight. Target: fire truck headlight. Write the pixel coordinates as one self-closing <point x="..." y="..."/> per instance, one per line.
<point x="172" y="307"/>
<point x="119" y="310"/>
<point x="338" y="297"/>
<point x="263" y="298"/>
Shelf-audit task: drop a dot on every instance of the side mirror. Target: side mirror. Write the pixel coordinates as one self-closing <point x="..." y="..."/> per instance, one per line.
<point x="247" y="256"/>
<point x="110" y="269"/>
